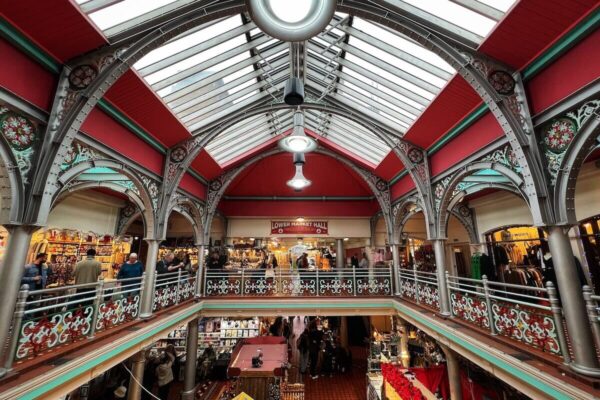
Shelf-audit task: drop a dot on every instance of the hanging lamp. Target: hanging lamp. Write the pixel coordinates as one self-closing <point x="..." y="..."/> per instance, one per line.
<point x="298" y="141"/>
<point x="299" y="181"/>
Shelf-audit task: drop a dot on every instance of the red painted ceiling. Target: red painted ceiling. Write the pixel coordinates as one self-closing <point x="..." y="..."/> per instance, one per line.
<point x="268" y="177"/>
<point x="298" y="208"/>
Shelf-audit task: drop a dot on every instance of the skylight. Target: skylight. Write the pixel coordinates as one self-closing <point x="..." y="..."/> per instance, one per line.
<point x="220" y="69"/>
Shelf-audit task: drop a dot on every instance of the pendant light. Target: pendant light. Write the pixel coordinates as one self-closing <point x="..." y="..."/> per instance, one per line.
<point x="299" y="182"/>
<point x="298" y="141"/>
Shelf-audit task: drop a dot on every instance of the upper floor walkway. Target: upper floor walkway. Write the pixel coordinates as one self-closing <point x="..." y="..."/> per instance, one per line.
<point x="518" y="330"/>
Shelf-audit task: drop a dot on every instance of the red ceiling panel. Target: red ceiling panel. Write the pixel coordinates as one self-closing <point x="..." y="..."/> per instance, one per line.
<point x="531" y="26"/>
<point x="403" y="186"/>
<point x="268" y="177"/>
<point x="389" y="167"/>
<point x="106" y="130"/>
<point x="295" y="208"/>
<point x="455" y="101"/>
<point x="25" y="77"/>
<point x="580" y="65"/>
<point x="56" y="26"/>
<point x="484" y="131"/>
<point x="138" y="101"/>
<point x="193" y="186"/>
<point x="206" y="166"/>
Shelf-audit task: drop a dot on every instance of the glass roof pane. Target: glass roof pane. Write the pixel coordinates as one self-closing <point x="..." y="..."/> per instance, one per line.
<point x="124" y="11"/>
<point x="456" y="14"/>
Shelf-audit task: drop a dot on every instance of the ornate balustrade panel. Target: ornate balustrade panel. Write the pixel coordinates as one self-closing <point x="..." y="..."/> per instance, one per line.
<point x="309" y="283"/>
<point x="45" y="327"/>
<point x="420" y="287"/>
<point x="532" y="326"/>
<point x="120" y="303"/>
<point x="470" y="308"/>
<point x="166" y="290"/>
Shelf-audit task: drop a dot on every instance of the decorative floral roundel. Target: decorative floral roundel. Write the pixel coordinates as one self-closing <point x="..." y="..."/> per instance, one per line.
<point x="82" y="75"/>
<point x="18" y="130"/>
<point x="559" y="134"/>
<point x="439" y="191"/>
<point x="464" y="211"/>
<point x="129" y="210"/>
<point x="70" y="156"/>
<point x="415" y="155"/>
<point x="381" y="185"/>
<point x="215" y="185"/>
<point x="502" y="82"/>
<point x="178" y="154"/>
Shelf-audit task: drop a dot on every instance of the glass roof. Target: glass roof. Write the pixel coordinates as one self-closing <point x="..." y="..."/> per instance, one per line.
<point x="227" y="66"/>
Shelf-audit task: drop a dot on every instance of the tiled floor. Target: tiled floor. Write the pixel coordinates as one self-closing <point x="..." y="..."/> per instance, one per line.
<point x="348" y="386"/>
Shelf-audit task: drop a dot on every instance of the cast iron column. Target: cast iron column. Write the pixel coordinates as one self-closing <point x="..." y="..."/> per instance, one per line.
<point x="344" y="332"/>
<point x="404" y="353"/>
<point x="396" y="268"/>
<point x="191" y="356"/>
<point x="339" y="254"/>
<point x="199" y="290"/>
<point x="574" y="309"/>
<point x="440" y="263"/>
<point x="134" y="392"/>
<point x="11" y="272"/>
<point x="453" y="372"/>
<point x="150" y="274"/>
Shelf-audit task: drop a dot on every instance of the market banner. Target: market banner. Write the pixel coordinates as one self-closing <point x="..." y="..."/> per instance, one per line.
<point x="299" y="228"/>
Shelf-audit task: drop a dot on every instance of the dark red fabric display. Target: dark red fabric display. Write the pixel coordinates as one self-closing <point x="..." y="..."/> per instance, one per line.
<point x="401" y="384"/>
<point x="434" y="379"/>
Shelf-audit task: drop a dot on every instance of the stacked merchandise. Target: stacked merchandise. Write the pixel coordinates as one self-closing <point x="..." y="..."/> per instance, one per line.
<point x="232" y="330"/>
<point x="180" y="252"/>
<point x="397" y="386"/>
<point x="67" y="247"/>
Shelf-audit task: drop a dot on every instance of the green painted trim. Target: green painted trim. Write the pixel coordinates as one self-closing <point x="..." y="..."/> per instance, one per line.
<point x="391" y="304"/>
<point x="132" y="126"/>
<point x="13" y="35"/>
<point x="575" y="35"/>
<point x="485" y="355"/>
<point x="53" y="384"/>
<point x="295" y="306"/>
<point x="396" y="178"/>
<point x="197" y="175"/>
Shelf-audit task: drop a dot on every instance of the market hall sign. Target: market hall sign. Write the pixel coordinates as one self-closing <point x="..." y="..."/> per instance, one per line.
<point x="296" y="227"/>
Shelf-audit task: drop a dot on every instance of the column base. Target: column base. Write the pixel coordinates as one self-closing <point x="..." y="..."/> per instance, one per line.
<point x="188" y="394"/>
<point x="580" y="369"/>
<point x="146" y="316"/>
<point x="445" y="314"/>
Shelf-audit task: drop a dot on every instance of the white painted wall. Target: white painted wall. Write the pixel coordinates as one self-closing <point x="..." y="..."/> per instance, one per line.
<point x="87" y="211"/>
<point x="587" y="192"/>
<point x="338" y="228"/>
<point x="500" y="209"/>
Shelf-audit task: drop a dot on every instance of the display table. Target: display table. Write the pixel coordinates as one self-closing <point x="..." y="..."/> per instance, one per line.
<point x="258" y="382"/>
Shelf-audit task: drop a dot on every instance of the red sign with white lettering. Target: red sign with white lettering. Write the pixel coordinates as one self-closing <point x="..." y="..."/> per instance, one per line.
<point x="299" y="228"/>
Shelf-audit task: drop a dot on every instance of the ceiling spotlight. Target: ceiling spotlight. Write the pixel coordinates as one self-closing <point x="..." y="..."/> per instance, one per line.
<point x="298" y="182"/>
<point x="299" y="219"/>
<point x="298" y="142"/>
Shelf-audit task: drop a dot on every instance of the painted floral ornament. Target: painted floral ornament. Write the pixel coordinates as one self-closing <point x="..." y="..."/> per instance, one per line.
<point x="82" y="75"/>
<point x="18" y="130"/>
<point x="502" y="82"/>
<point x="178" y="154"/>
<point x="415" y="155"/>
<point x="559" y="134"/>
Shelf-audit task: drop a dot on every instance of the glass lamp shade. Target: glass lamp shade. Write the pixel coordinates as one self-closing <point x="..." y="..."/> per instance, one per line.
<point x="298" y="182"/>
<point x="298" y="142"/>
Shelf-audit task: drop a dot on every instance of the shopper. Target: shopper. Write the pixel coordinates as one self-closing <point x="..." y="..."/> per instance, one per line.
<point x="164" y="374"/>
<point x="86" y="272"/>
<point x="215" y="261"/>
<point x="303" y="350"/>
<point x="364" y="261"/>
<point x="354" y="261"/>
<point x="132" y="268"/>
<point x="315" y="336"/>
<point x="168" y="264"/>
<point x="36" y="274"/>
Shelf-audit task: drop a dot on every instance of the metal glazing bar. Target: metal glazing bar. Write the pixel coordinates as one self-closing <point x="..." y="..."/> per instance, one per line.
<point x="230" y="109"/>
<point x="96" y="5"/>
<point x="206" y="84"/>
<point x="186" y="73"/>
<point x="481" y="8"/>
<point x="217" y="103"/>
<point x="194" y="50"/>
<point x="398" y="53"/>
<point x="313" y="46"/>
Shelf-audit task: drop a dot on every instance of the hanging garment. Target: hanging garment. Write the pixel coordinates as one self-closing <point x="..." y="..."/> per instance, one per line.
<point x="476" y="266"/>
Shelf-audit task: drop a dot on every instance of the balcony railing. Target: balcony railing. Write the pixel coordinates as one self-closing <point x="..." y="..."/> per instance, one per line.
<point x="278" y="282"/>
<point x="529" y="315"/>
<point x="46" y="319"/>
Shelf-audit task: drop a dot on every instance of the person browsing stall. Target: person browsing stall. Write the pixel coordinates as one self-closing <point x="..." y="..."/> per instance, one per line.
<point x="88" y="270"/>
<point x="132" y="268"/>
<point x="167" y="264"/>
<point x="36" y="273"/>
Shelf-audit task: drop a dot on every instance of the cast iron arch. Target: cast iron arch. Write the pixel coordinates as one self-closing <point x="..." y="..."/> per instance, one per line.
<point x="68" y="117"/>
<point x="566" y="179"/>
<point x="192" y="212"/>
<point x="447" y="203"/>
<point x="12" y="188"/>
<point x="145" y="204"/>
<point x="218" y="187"/>
<point x="402" y="214"/>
